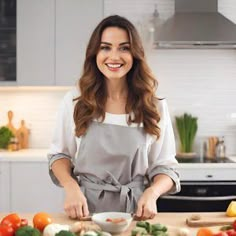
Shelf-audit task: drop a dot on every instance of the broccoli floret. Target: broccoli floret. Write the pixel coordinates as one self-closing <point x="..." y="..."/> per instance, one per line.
<point x="27" y="231"/>
<point x="65" y="233"/>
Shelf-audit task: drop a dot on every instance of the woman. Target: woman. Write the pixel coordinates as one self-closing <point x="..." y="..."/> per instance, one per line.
<point x="113" y="148"/>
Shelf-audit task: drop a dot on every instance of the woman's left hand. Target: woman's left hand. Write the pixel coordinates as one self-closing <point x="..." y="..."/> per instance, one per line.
<point x="147" y="207"/>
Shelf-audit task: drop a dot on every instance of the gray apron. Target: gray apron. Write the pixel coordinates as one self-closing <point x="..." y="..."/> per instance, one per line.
<point x="111" y="166"/>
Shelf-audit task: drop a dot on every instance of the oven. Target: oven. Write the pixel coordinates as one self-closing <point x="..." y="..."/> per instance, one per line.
<point x="203" y="196"/>
<point x="205" y="187"/>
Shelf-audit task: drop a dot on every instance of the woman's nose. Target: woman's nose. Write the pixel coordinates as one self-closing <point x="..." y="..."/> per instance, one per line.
<point x="114" y="54"/>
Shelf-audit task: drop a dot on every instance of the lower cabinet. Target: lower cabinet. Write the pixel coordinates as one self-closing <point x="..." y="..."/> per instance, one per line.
<point x="4" y="186"/>
<point x="27" y="187"/>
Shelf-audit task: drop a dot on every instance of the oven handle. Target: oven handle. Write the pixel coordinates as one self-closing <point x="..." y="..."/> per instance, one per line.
<point x="188" y="198"/>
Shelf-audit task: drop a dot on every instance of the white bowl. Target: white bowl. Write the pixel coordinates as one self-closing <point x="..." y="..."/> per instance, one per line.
<point x="101" y="220"/>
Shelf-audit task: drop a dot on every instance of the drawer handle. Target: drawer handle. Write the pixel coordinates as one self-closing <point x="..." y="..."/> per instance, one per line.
<point x="209" y="176"/>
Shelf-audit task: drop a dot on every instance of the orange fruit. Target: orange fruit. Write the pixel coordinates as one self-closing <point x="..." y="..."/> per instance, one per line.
<point x="204" y="232"/>
<point x="41" y="220"/>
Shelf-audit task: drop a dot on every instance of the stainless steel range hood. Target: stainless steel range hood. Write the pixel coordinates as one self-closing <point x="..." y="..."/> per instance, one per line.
<point x="196" y="24"/>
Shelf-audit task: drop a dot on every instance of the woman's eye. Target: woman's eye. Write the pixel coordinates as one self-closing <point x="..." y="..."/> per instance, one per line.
<point x="105" y="48"/>
<point x="125" y="48"/>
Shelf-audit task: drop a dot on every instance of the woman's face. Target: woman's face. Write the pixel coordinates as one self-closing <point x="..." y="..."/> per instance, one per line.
<point x="114" y="58"/>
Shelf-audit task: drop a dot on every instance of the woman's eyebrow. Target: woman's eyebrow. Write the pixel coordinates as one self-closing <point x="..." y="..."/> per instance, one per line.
<point x="111" y="43"/>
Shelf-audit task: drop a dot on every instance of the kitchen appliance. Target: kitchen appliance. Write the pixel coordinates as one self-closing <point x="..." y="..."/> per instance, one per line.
<point x="207" y="185"/>
<point x="196" y="24"/>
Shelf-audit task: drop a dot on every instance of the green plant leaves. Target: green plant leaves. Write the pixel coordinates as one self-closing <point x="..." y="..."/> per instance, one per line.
<point x="5" y="136"/>
<point x="187" y="128"/>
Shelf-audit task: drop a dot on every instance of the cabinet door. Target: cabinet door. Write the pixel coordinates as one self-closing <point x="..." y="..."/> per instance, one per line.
<point x="4" y="186"/>
<point x="35" y="42"/>
<point x="75" y="21"/>
<point x="32" y="189"/>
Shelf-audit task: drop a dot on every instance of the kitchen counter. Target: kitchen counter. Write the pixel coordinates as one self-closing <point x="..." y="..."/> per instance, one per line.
<point x="171" y="220"/>
<point x="41" y="155"/>
<point x="188" y="171"/>
<point x="24" y="155"/>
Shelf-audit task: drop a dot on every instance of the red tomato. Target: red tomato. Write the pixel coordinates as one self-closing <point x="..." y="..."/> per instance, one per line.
<point x="234" y="225"/>
<point x="230" y="232"/>
<point x="6" y="230"/>
<point x="12" y="220"/>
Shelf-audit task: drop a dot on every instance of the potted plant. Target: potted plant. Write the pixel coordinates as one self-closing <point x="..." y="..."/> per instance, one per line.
<point x="187" y="128"/>
<point x="5" y="136"/>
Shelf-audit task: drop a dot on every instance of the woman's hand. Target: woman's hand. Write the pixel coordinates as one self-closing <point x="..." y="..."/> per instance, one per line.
<point x="75" y="204"/>
<point x="147" y="208"/>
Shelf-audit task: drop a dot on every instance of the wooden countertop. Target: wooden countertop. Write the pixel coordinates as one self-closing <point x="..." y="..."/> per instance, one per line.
<point x="171" y="220"/>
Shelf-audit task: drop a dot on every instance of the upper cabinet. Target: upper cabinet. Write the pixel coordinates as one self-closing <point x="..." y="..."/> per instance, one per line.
<point x="75" y="21"/>
<point x="51" y="39"/>
<point x="35" y="42"/>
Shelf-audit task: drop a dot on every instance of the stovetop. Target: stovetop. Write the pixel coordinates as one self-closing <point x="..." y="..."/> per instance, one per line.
<point x="203" y="160"/>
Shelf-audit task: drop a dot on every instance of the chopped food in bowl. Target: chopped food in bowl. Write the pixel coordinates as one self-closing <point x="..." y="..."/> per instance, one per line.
<point x="113" y="222"/>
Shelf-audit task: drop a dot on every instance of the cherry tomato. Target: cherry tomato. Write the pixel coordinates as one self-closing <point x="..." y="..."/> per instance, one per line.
<point x="234" y="225"/>
<point x="41" y="220"/>
<point x="231" y="232"/>
<point x="6" y="230"/>
<point x="23" y="222"/>
<point x="12" y="220"/>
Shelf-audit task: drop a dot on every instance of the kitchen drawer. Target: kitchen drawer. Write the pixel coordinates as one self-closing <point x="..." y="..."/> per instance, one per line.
<point x="207" y="174"/>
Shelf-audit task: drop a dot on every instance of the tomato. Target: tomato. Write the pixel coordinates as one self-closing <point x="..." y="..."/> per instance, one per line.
<point x="230" y="232"/>
<point x="6" y="230"/>
<point x="234" y="225"/>
<point x="41" y="220"/>
<point x="12" y="220"/>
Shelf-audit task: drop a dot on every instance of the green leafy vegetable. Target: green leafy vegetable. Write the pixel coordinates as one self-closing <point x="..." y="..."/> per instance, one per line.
<point x="64" y="233"/>
<point x="5" y="136"/>
<point x="27" y="231"/>
<point x="187" y="129"/>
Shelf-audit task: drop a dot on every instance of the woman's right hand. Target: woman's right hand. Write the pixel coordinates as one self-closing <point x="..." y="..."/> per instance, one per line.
<point x="75" y="204"/>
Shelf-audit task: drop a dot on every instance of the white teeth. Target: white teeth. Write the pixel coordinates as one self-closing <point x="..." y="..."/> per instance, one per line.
<point x="114" y="65"/>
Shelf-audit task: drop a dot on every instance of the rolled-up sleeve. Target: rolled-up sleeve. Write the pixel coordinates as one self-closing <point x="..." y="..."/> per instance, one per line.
<point x="63" y="143"/>
<point x="162" y="151"/>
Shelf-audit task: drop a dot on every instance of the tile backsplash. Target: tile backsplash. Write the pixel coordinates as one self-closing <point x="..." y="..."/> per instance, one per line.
<point x="37" y="106"/>
<point x="201" y="82"/>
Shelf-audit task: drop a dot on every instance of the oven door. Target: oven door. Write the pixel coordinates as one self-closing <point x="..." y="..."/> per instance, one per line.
<point x="199" y="197"/>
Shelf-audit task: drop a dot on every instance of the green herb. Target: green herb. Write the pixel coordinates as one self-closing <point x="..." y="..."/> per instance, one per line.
<point x="187" y="129"/>
<point x="5" y="136"/>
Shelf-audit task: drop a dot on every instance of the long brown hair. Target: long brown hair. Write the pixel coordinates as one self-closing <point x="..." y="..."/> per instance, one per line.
<point x="142" y="85"/>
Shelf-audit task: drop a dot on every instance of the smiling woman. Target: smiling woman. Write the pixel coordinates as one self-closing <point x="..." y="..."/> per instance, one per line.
<point x="114" y="148"/>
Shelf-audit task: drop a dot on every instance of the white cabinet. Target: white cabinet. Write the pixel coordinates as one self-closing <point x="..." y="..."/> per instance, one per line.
<point x="25" y="186"/>
<point x="35" y="42"/>
<point x="32" y="189"/>
<point x="75" y="21"/>
<point x="51" y="39"/>
<point x="4" y="186"/>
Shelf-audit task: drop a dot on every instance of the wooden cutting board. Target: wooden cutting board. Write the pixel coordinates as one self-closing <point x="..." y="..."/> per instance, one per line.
<point x="197" y="220"/>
